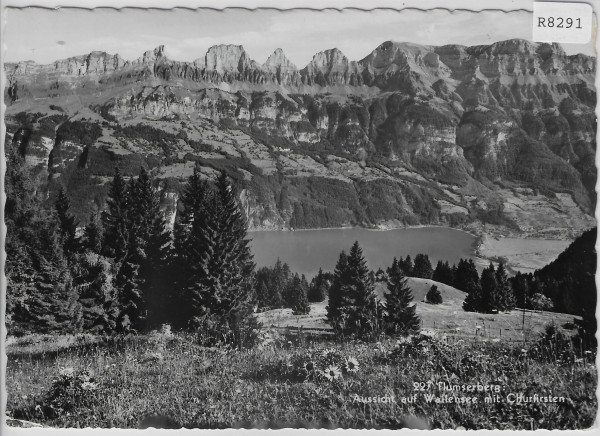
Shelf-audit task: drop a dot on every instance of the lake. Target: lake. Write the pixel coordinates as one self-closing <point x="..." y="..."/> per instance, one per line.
<point x="305" y="251"/>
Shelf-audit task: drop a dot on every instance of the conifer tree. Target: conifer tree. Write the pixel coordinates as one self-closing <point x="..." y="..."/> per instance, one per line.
<point x="443" y="273"/>
<point x="363" y="313"/>
<point x="263" y="295"/>
<point x="466" y="275"/>
<point x="520" y="285"/>
<point x="318" y="288"/>
<point x="400" y="316"/>
<point x="189" y="250"/>
<point x="53" y="306"/>
<point x="490" y="297"/>
<point x="219" y="265"/>
<point x="474" y="300"/>
<point x="297" y="291"/>
<point x="353" y="307"/>
<point x="115" y="219"/>
<point x="407" y="266"/>
<point x="433" y="295"/>
<point x="67" y="224"/>
<point x="396" y="265"/>
<point x="97" y="293"/>
<point x="337" y="299"/>
<point x="148" y="227"/>
<point x="40" y="294"/>
<point x="92" y="234"/>
<point x="506" y="296"/>
<point x="422" y="267"/>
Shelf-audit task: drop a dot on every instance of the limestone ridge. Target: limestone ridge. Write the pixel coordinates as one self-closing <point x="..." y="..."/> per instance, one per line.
<point x="379" y="68"/>
<point x="448" y="134"/>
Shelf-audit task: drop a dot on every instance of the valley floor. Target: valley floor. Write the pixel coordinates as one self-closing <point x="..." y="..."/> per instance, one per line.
<point x="522" y="254"/>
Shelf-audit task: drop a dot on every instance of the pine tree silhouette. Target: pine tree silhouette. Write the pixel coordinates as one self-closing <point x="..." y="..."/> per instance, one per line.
<point x="67" y="224"/>
<point x="353" y="307"/>
<point x="400" y="316"/>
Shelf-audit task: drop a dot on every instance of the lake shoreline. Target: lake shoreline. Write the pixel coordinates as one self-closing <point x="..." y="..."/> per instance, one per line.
<point x="482" y="251"/>
<point x="373" y="229"/>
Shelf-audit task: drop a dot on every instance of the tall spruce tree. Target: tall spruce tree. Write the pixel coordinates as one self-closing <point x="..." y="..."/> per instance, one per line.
<point x="490" y="297"/>
<point x="53" y="306"/>
<point x="318" y="288"/>
<point x="466" y="275"/>
<point x="407" y="266"/>
<point x="92" y="234"/>
<point x="298" y="288"/>
<point x="443" y="273"/>
<point x="364" y="312"/>
<point x="400" y="316"/>
<point x="40" y="295"/>
<point x="97" y="293"/>
<point x="219" y="265"/>
<point x="337" y="298"/>
<point x="67" y="224"/>
<point x="506" y="295"/>
<point x="115" y="220"/>
<point x="474" y="300"/>
<point x="353" y="307"/>
<point x="422" y="267"/>
<point x="149" y="228"/>
<point x="520" y="284"/>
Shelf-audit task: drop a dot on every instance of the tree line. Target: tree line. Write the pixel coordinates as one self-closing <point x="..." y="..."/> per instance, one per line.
<point x="123" y="271"/>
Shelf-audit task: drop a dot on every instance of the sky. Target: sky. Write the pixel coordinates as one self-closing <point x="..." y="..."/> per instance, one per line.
<point x="44" y="35"/>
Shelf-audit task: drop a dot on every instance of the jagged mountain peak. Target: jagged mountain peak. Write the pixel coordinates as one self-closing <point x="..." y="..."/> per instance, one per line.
<point x="154" y="55"/>
<point x="327" y="60"/>
<point x="278" y="60"/>
<point x="391" y="52"/>
<point x="227" y="58"/>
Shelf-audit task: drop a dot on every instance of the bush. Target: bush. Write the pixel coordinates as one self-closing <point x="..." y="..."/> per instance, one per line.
<point x="70" y="391"/>
<point x="541" y="302"/>
<point x="433" y="295"/>
<point x="229" y="331"/>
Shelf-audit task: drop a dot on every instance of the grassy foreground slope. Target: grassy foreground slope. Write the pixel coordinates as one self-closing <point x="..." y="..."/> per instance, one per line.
<point x="168" y="380"/>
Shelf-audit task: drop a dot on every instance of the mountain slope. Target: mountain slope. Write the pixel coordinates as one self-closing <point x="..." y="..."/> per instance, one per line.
<point x="478" y="137"/>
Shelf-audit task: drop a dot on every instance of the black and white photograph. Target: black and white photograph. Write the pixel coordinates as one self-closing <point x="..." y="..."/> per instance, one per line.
<point x="298" y="218"/>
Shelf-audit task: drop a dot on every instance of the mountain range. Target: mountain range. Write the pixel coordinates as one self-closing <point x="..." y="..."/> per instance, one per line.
<point x="493" y="138"/>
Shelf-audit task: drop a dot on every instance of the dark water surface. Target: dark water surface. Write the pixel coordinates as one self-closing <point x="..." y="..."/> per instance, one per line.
<point x="306" y="251"/>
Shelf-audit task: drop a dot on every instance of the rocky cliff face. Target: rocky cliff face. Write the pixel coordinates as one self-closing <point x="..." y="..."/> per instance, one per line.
<point x="409" y="134"/>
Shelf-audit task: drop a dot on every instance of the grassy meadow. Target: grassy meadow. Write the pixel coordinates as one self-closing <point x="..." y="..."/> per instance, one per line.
<point x="165" y="379"/>
<point x="447" y="318"/>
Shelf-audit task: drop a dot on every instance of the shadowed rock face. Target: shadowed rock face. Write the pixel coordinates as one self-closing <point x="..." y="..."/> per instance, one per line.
<point x="459" y="128"/>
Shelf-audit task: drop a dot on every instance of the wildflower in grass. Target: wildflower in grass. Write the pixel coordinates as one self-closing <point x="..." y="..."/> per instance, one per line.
<point x="153" y="357"/>
<point x="404" y="340"/>
<point x="166" y="330"/>
<point x="66" y="372"/>
<point x="89" y="386"/>
<point x="309" y="366"/>
<point x="351" y="364"/>
<point x="332" y="373"/>
<point x="326" y="352"/>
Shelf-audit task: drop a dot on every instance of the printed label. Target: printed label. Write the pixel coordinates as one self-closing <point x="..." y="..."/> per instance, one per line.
<point x="562" y="22"/>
